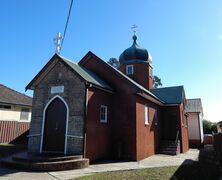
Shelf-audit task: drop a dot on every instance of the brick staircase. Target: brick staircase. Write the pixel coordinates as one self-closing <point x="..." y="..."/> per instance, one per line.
<point x="44" y="162"/>
<point x="169" y="147"/>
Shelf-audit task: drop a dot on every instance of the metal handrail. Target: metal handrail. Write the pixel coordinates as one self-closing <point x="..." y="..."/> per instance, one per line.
<point x="177" y="137"/>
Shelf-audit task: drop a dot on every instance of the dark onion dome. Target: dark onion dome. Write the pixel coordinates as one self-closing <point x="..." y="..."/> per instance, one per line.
<point x="135" y="53"/>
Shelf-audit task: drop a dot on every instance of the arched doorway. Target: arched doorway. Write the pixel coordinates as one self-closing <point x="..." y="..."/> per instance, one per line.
<point x="55" y="126"/>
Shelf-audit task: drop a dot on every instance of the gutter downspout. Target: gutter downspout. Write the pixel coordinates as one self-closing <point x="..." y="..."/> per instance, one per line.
<point x="85" y="115"/>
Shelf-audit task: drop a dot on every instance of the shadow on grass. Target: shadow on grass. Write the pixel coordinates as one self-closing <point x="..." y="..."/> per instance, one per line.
<point x="196" y="171"/>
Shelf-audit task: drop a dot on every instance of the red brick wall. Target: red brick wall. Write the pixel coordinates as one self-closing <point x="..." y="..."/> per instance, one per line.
<point x="116" y="138"/>
<point x="123" y="125"/>
<point x="98" y="135"/>
<point x="9" y="130"/>
<point x="147" y="135"/>
<point x="141" y="74"/>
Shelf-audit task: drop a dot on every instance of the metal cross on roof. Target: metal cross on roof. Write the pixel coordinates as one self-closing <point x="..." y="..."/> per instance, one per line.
<point x="58" y="42"/>
<point x="134" y="27"/>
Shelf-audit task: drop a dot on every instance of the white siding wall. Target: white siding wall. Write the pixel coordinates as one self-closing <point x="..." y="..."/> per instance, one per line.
<point x="193" y="126"/>
<point x="13" y="114"/>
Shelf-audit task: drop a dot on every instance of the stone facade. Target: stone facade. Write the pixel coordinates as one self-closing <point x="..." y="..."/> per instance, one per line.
<point x="74" y="96"/>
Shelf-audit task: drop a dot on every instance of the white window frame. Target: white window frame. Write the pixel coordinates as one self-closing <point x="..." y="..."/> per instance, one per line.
<point x="127" y="69"/>
<point x="105" y="119"/>
<point x="146" y="114"/>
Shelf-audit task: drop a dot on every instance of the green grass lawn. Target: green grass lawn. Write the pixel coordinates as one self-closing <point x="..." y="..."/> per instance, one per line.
<point x="195" y="171"/>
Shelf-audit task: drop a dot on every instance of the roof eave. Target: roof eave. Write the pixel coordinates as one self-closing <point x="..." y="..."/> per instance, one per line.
<point x="18" y="104"/>
<point x="173" y="104"/>
<point x="152" y="99"/>
<point x="99" y="87"/>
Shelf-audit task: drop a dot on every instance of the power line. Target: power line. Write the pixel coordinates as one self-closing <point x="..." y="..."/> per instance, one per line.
<point x="67" y="22"/>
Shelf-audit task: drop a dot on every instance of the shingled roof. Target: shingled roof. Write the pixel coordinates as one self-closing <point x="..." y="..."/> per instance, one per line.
<point x="10" y="96"/>
<point x="194" y="105"/>
<point x="170" y="95"/>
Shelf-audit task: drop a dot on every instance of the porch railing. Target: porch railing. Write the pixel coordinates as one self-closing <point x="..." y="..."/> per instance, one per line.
<point x="177" y="137"/>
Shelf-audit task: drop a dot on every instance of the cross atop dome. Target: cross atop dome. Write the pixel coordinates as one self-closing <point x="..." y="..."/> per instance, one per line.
<point x="135" y="53"/>
<point x="134" y="27"/>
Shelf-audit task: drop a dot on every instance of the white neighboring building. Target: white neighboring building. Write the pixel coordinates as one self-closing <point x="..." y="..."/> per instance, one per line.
<point x="15" y="114"/>
<point x="194" y="113"/>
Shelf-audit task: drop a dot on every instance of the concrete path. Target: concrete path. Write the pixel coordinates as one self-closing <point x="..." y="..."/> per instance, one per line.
<point x="153" y="161"/>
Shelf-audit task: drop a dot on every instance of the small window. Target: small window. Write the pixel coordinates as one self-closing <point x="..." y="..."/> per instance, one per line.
<point x="103" y="114"/>
<point x="129" y="69"/>
<point x="24" y="114"/>
<point x="146" y="111"/>
<point x="5" y="107"/>
<point x="156" y="118"/>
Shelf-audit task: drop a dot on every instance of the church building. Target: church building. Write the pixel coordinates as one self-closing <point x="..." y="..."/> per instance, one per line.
<point x="95" y="110"/>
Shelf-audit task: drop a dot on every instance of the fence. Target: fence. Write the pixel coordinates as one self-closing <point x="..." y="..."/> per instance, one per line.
<point x="218" y="145"/>
<point x="208" y="139"/>
<point x="9" y="130"/>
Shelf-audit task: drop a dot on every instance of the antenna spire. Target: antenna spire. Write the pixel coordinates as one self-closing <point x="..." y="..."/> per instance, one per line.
<point x="58" y="43"/>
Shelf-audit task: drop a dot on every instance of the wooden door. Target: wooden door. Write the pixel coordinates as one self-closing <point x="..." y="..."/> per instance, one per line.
<point x="55" y="125"/>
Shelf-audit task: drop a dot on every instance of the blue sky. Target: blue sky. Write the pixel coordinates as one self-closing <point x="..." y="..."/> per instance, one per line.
<point x="184" y="38"/>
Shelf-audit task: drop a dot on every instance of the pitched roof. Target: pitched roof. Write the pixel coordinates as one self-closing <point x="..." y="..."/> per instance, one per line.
<point x="135" y="83"/>
<point x="86" y="74"/>
<point x="170" y="95"/>
<point x="114" y="70"/>
<point x="10" y="96"/>
<point x="194" y="105"/>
